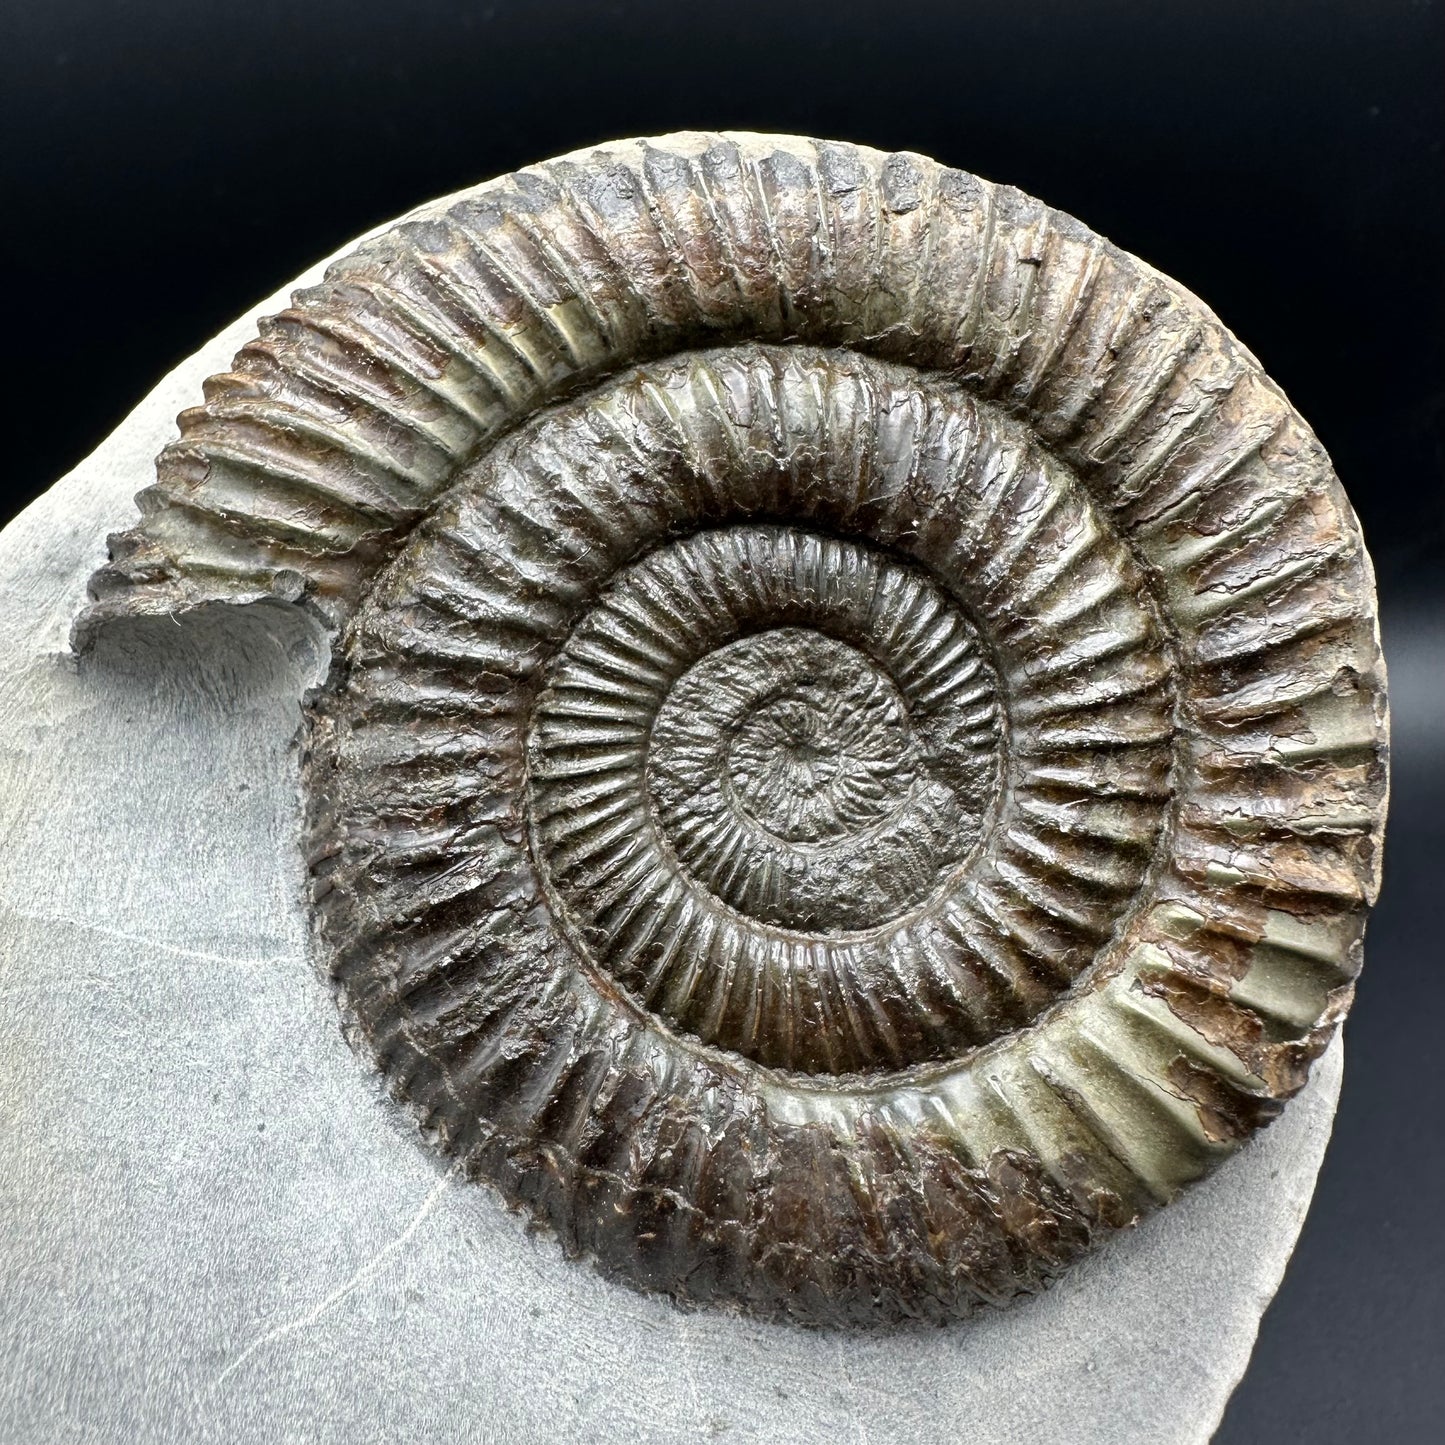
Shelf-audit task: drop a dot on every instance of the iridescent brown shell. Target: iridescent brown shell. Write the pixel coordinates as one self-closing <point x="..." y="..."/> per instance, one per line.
<point x="854" y="762"/>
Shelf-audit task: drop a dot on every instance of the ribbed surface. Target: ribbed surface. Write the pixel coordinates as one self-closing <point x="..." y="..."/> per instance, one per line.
<point x="663" y="682"/>
<point x="742" y="756"/>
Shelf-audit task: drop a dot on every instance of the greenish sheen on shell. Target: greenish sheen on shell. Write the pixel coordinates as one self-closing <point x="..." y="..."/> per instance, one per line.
<point x="854" y="762"/>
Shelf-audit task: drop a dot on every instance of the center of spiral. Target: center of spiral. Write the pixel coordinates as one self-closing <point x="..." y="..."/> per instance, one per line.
<point x="824" y="757"/>
<point x="789" y="781"/>
<point x="784" y="773"/>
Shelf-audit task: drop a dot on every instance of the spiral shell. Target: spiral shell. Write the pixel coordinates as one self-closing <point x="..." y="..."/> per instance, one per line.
<point x="854" y="760"/>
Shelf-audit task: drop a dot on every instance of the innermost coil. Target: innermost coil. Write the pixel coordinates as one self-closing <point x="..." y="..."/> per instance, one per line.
<point x="789" y="781"/>
<point x="826" y="752"/>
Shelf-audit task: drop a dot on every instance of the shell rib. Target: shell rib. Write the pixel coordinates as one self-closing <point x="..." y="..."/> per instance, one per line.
<point x="855" y="757"/>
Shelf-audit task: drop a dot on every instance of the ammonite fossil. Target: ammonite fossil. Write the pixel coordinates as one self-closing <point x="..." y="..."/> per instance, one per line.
<point x="854" y="757"/>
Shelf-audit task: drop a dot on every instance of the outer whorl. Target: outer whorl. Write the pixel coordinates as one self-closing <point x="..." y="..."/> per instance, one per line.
<point x="854" y="760"/>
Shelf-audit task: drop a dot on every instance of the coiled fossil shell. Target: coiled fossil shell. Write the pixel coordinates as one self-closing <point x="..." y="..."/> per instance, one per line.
<point x="854" y="760"/>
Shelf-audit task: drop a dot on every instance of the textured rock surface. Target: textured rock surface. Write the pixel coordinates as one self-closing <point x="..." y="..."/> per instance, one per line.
<point x="213" y="1228"/>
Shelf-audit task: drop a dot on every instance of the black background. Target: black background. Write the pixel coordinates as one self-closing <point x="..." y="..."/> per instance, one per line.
<point x="166" y="163"/>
